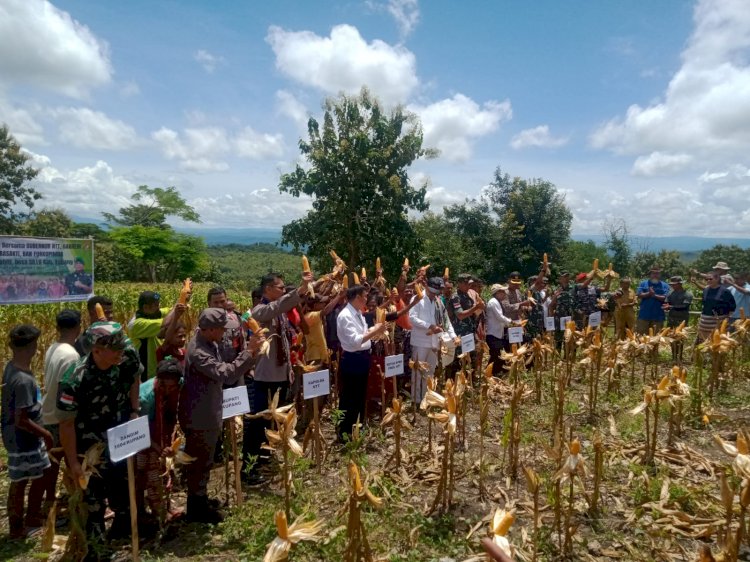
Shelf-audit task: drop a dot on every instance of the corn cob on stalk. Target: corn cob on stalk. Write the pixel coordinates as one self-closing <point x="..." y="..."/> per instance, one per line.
<point x="288" y="535"/>
<point x="187" y="288"/>
<point x="100" y="315"/>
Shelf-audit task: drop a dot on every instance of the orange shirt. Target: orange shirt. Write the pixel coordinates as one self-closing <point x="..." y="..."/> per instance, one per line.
<point x="403" y="320"/>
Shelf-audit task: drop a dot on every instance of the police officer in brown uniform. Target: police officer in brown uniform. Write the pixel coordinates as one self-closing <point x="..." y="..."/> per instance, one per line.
<point x="200" y="409"/>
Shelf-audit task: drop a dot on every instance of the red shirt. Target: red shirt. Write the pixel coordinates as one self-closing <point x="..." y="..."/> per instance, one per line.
<point x="403" y="320"/>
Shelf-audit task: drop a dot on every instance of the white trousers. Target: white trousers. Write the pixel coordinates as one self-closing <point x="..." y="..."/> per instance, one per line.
<point x="419" y="378"/>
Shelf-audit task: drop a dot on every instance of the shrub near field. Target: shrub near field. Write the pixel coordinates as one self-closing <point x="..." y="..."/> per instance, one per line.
<point x="125" y="299"/>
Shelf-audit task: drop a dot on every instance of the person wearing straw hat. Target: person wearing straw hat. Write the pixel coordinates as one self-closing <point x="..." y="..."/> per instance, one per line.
<point x="652" y="293"/>
<point x="700" y="280"/>
<point x="497" y="322"/>
<point x="718" y="304"/>
<point x="678" y="311"/>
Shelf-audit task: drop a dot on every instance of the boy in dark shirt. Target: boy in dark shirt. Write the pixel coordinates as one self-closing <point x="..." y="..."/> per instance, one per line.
<point x="24" y="437"/>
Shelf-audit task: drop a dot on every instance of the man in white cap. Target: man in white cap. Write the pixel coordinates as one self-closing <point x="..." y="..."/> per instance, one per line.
<point x="429" y="319"/>
<point x="497" y="322"/>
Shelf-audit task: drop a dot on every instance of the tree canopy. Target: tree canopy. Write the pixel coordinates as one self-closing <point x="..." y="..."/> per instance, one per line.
<point x="15" y="175"/>
<point x="359" y="183"/>
<point x="151" y="207"/>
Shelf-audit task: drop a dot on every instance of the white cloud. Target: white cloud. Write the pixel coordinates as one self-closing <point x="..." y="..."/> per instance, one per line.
<point x="451" y="124"/>
<point x="198" y="149"/>
<point x="21" y="124"/>
<point x="344" y="62"/>
<point x="258" y="146"/>
<point x="43" y="46"/>
<point x="85" y="128"/>
<point x="130" y="89"/>
<point x="258" y="207"/>
<point x="539" y="137"/>
<point x="205" y="149"/>
<point x="659" y="163"/>
<point x="406" y="14"/>
<point x="84" y="191"/>
<point x="291" y="107"/>
<point x="208" y="61"/>
<point x="705" y="111"/>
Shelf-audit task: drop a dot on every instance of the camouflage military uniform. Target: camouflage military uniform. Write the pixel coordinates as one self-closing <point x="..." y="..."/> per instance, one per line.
<point x="535" y="325"/>
<point x="98" y="400"/>
<point x="565" y="307"/>
<point x="585" y="303"/>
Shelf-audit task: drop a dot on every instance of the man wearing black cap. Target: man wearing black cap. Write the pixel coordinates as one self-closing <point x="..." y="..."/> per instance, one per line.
<point x="200" y="407"/>
<point x="429" y="319"/>
<point x="144" y="329"/>
<point x="96" y="393"/>
<point x="79" y="282"/>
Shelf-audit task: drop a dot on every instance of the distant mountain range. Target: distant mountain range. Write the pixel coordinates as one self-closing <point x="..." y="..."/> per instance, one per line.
<point x="216" y="236"/>
<point x="678" y="243"/>
<point x="248" y="236"/>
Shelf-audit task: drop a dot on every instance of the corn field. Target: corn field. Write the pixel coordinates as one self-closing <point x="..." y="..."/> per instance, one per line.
<point x="593" y="449"/>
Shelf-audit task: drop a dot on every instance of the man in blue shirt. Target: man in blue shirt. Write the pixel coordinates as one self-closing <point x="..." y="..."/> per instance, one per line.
<point x="652" y="293"/>
<point x="740" y="290"/>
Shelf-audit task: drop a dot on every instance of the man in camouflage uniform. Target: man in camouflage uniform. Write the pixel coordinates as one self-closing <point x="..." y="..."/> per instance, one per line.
<point x="461" y="313"/>
<point x="562" y="305"/>
<point x="98" y="392"/>
<point x="535" y="325"/>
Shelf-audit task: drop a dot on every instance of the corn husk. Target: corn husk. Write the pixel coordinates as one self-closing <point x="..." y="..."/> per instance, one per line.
<point x="288" y="535"/>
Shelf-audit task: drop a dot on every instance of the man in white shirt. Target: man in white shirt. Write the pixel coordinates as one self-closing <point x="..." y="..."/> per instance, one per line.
<point x="59" y="357"/>
<point x="496" y="324"/>
<point x="354" y="337"/>
<point x="428" y="319"/>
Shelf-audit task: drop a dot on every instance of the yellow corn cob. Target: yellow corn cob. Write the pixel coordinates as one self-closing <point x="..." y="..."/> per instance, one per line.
<point x="394" y="292"/>
<point x="184" y="292"/>
<point x="252" y="325"/>
<point x="575" y="447"/>
<point x="363" y="273"/>
<point x="377" y="264"/>
<point x="406" y="262"/>
<point x="379" y="315"/>
<point x="282" y="527"/>
<point x="609" y="269"/>
<point x="355" y="278"/>
<point x="503" y="526"/>
<point x="346" y="282"/>
<point x="447" y="273"/>
<point x="100" y="313"/>
<point x="663" y="383"/>
<point x="742" y="446"/>
<point x="595" y="265"/>
<point x="335" y="256"/>
<point x="544" y="260"/>
<point x="305" y="264"/>
<point x="418" y="291"/>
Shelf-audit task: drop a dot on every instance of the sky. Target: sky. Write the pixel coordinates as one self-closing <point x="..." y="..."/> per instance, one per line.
<point x="635" y="110"/>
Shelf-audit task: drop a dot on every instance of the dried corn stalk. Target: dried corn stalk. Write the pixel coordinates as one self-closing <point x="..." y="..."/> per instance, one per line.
<point x="357" y="547"/>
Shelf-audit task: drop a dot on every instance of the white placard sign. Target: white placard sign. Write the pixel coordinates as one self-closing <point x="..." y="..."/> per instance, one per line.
<point x="235" y="402"/>
<point x="394" y="365"/>
<point x="316" y="384"/>
<point x="549" y="323"/>
<point x="467" y="343"/>
<point x="127" y="439"/>
<point x="595" y="319"/>
<point x="515" y="334"/>
<point x="564" y="320"/>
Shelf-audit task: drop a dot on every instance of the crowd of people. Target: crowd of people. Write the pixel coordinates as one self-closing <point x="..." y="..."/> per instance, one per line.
<point x="157" y="366"/>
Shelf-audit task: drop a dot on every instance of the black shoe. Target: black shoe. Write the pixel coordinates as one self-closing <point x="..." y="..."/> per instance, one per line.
<point x="199" y="511"/>
<point x="252" y="478"/>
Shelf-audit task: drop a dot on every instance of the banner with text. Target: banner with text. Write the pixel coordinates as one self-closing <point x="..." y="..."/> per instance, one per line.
<point x="41" y="270"/>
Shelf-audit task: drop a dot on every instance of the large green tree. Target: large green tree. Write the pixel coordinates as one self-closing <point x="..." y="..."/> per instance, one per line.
<point x="53" y="223"/>
<point x="15" y="175"/>
<point x="155" y="252"/>
<point x="618" y="245"/>
<point x="359" y="183"/>
<point x="151" y="208"/>
<point x="667" y="260"/>
<point x="737" y="258"/>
